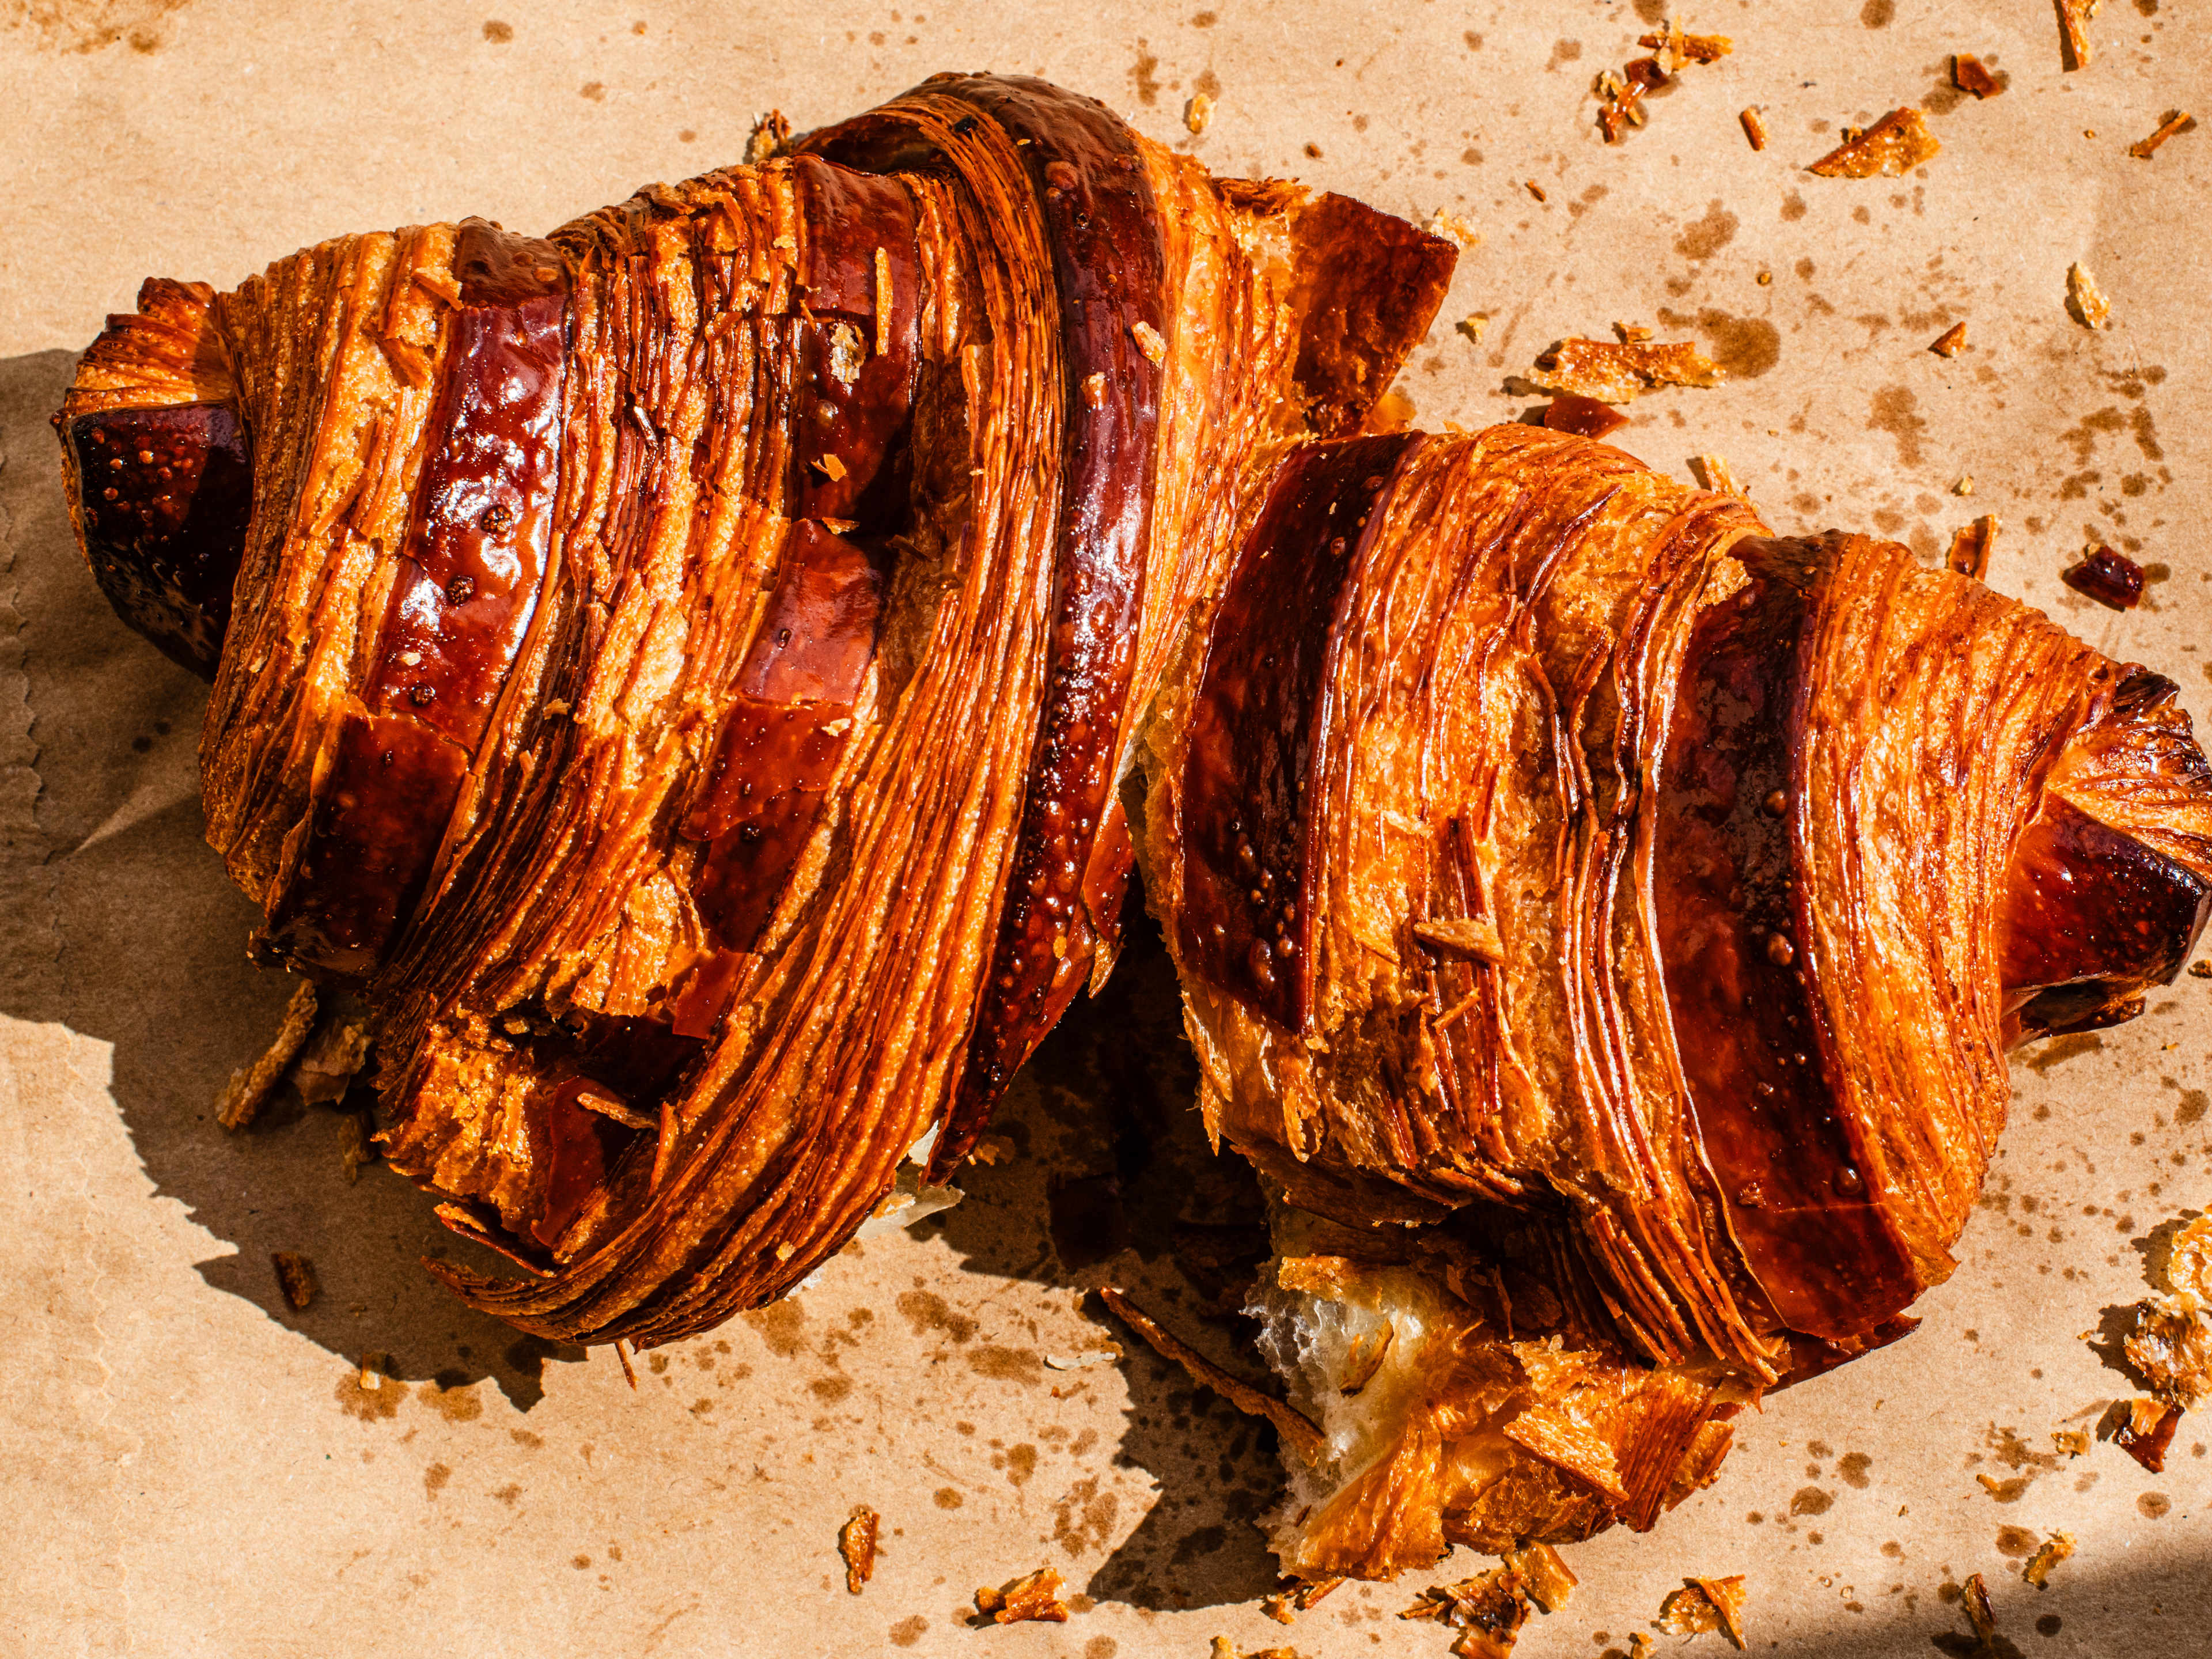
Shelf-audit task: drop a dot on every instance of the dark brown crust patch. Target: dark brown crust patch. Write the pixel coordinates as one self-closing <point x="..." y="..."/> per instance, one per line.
<point x="1245" y="924"/>
<point x="164" y="498"/>
<point x="1725" y="885"/>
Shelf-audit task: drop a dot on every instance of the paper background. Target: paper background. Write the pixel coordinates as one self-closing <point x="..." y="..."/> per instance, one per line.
<point x="190" y="1468"/>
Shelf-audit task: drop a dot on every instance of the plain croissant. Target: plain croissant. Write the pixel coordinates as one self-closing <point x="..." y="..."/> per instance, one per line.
<point x="703" y="678"/>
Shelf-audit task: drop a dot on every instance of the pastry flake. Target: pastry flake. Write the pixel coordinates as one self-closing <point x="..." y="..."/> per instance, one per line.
<point x="1890" y="148"/>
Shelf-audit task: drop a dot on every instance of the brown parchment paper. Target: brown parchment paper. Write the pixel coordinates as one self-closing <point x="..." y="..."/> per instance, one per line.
<point x="190" y="1467"/>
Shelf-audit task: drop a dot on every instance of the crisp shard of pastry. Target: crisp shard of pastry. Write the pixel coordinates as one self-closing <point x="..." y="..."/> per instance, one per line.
<point x="680" y="671"/>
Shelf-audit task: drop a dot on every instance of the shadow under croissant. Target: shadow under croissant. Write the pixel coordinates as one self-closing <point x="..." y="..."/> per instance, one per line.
<point x="1111" y="1182"/>
<point x="148" y="958"/>
<point x="1112" y="1179"/>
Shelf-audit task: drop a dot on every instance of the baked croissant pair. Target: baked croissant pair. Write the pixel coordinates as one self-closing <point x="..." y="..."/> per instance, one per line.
<point x="703" y="679"/>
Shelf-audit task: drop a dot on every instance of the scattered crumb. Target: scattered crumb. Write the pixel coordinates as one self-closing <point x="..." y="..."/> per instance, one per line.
<point x="249" y="1086"/>
<point x="1537" y="191"/>
<point x="2189" y="1260"/>
<point x="1032" y="1599"/>
<point x="1951" y="341"/>
<point x="1453" y="228"/>
<point x="1981" y="1618"/>
<point x="296" y="1277"/>
<point x="1765" y="279"/>
<point x="1284" y="1605"/>
<point x="2074" y="17"/>
<point x="1890" y="148"/>
<point x="1544" y="1574"/>
<point x="2200" y="970"/>
<point x="1964" y="486"/>
<point x="1149" y="341"/>
<point x="1968" y="74"/>
<point x="1487" y="1610"/>
<point x="1472" y="326"/>
<point x="1631" y="333"/>
<point x="356" y="1149"/>
<point x="2144" y="1429"/>
<point x="992" y="1149"/>
<point x="2111" y="579"/>
<point x="832" y="468"/>
<point x="1717" y="475"/>
<point x="1972" y="546"/>
<point x="2171" y="1346"/>
<point x="770" y="138"/>
<point x="1223" y="1648"/>
<point x="856" y="1542"/>
<point x="372" y="1370"/>
<point x="2072" y="1443"/>
<point x="1672" y="49"/>
<point x="2176" y="120"/>
<point x="2084" y="300"/>
<point x="1615" y="373"/>
<point x="1197" y="114"/>
<point x="1754" y="126"/>
<point x="333" y="1057"/>
<point x="1089" y="1357"/>
<point x="1705" y="1604"/>
<point x="2048" y="1554"/>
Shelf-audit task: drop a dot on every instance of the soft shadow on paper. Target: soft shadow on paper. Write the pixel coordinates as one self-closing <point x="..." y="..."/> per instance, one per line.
<point x="121" y="925"/>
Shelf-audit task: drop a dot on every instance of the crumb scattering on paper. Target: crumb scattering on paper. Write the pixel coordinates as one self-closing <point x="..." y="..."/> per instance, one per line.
<point x="856" y="1542"/>
<point x="1703" y="1605"/>
<point x="2084" y="300"/>
<point x="2176" y="120"/>
<point x="1472" y="325"/>
<point x="2143" y="1429"/>
<point x="2074" y="17"/>
<point x="2048" y="1554"/>
<point x="1197" y="114"/>
<point x="1452" y="227"/>
<point x="1615" y="373"/>
<point x="296" y="1277"/>
<point x="1890" y="148"/>
<point x="1951" y="341"/>
<point x="1754" y="126"/>
<point x="249" y="1086"/>
<point x="1972" y="545"/>
<point x="1031" y="1599"/>
<point x="1969" y="74"/>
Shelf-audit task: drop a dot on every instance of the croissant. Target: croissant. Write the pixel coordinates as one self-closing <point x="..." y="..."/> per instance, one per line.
<point x="704" y="679"/>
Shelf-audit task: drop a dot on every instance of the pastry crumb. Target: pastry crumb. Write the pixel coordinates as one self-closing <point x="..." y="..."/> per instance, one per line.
<point x="1452" y="227"/>
<point x="1615" y="373"/>
<point x="249" y="1086"/>
<point x="2084" y="300"/>
<point x="1149" y="341"/>
<point x="856" y="1542"/>
<point x="1754" y="126"/>
<point x="1890" y="148"/>
<point x="1031" y="1599"/>
<point x="1970" y="74"/>
<point x="1951" y="341"/>
<point x="2143" y="1429"/>
<point x="2048" y="1554"/>
<point x="2176" y="120"/>
<point x="2074" y="17"/>
<point x="1972" y="546"/>
<point x="296" y="1277"/>
<point x="1705" y="1604"/>
<point x="1472" y="326"/>
<point x="1198" y="113"/>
